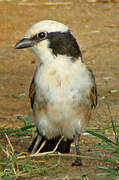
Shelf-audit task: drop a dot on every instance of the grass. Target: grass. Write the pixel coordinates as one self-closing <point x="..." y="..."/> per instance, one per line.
<point x="14" y="165"/>
<point x="13" y="168"/>
<point x="112" y="147"/>
<point x="27" y="126"/>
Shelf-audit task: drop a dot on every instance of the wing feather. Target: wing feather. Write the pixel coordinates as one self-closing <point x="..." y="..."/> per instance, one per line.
<point x="32" y="92"/>
<point x="93" y="92"/>
<point x="93" y="97"/>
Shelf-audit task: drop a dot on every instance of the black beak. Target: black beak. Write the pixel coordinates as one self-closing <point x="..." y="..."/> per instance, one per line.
<point x="24" y="43"/>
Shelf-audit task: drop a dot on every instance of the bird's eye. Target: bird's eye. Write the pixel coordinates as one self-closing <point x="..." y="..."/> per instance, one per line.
<point x="42" y="35"/>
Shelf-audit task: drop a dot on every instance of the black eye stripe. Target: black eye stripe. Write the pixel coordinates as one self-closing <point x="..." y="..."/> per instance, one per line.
<point x="62" y="43"/>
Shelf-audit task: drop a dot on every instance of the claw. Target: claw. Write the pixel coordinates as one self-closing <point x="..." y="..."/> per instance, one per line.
<point x="77" y="162"/>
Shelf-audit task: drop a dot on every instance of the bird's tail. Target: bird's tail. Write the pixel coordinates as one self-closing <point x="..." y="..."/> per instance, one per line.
<point x="50" y="144"/>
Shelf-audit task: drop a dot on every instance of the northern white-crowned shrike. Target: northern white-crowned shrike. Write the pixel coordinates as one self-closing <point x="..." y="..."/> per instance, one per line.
<point x="63" y="90"/>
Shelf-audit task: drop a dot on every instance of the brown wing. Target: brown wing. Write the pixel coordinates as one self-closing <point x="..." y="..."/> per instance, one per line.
<point x="32" y="92"/>
<point x="93" y="93"/>
<point x="93" y="97"/>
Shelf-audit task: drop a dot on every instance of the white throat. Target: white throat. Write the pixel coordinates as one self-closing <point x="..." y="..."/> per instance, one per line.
<point x="43" y="52"/>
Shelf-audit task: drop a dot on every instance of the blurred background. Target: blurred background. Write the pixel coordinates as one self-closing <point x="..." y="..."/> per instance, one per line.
<point x="95" y="24"/>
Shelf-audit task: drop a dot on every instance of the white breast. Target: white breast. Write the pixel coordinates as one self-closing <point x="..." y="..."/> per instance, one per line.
<point x="64" y="85"/>
<point x="62" y="78"/>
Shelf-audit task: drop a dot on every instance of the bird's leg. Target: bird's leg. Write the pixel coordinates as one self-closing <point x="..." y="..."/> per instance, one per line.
<point x="77" y="161"/>
<point x="36" y="144"/>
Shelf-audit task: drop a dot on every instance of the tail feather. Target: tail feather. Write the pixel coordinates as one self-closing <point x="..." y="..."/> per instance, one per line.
<point x="63" y="147"/>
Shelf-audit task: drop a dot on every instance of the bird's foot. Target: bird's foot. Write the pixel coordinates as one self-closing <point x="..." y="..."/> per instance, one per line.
<point x="77" y="162"/>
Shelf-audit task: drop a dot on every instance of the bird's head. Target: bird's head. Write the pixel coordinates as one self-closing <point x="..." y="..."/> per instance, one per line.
<point x="50" y="38"/>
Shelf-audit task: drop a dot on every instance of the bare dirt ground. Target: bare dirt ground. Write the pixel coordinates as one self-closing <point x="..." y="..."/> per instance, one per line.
<point x="96" y="27"/>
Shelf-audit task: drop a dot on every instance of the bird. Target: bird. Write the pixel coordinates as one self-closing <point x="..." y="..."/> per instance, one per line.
<point x="63" y="89"/>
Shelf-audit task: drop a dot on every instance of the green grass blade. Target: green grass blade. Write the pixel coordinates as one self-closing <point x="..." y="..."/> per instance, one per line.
<point x="103" y="138"/>
<point x="115" y="132"/>
<point x="16" y="130"/>
<point x="104" y="146"/>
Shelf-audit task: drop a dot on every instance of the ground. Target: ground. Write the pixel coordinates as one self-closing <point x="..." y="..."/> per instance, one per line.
<point x="96" y="27"/>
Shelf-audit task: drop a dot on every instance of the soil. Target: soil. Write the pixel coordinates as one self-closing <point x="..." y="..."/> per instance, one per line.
<point x="96" y="27"/>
